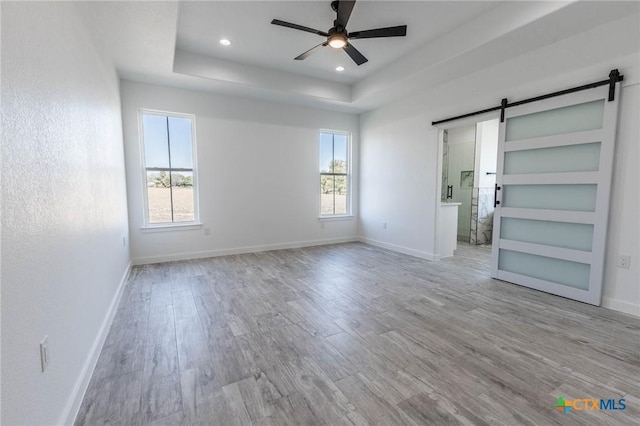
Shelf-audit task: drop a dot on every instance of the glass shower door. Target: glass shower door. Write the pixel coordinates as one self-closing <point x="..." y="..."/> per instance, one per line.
<point x="555" y="160"/>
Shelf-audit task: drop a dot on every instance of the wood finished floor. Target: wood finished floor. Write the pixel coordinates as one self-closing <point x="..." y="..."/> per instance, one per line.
<point x="352" y="334"/>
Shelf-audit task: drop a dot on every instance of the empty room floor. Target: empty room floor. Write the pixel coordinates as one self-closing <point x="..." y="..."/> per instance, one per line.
<point x="353" y="334"/>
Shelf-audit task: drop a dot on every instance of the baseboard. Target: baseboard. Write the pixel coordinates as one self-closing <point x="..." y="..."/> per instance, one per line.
<point x="400" y="249"/>
<point x="621" y="306"/>
<point x="239" y="250"/>
<point x="70" y="412"/>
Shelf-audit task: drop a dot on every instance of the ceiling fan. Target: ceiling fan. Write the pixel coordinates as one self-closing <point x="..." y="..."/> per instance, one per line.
<point x="338" y="37"/>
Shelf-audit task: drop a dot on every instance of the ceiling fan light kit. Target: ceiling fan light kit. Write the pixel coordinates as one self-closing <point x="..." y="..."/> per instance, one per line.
<point x="337" y="41"/>
<point x="338" y="37"/>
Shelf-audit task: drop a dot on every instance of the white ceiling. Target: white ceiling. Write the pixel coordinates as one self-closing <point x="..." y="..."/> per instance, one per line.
<point x="176" y="43"/>
<point x="256" y="42"/>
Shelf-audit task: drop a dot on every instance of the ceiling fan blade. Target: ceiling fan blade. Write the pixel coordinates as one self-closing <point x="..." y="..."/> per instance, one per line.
<point x="357" y="57"/>
<point x="399" y="31"/>
<point x="309" y="52"/>
<point x="345" y="7"/>
<point x="299" y="27"/>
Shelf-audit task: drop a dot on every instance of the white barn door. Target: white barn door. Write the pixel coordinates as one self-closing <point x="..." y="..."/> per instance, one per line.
<point x="555" y="160"/>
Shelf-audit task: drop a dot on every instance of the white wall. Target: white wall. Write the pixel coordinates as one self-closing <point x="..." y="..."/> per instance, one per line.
<point x="400" y="140"/>
<point x="463" y="134"/>
<point x="622" y="286"/>
<point x="486" y="153"/>
<point x="64" y="211"/>
<point x="398" y="167"/>
<point x="257" y="174"/>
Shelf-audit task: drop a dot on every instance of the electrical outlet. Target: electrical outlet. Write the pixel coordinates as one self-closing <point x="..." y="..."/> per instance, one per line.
<point x="44" y="353"/>
<point x="207" y="231"/>
<point x="384" y="225"/>
<point x="624" y="262"/>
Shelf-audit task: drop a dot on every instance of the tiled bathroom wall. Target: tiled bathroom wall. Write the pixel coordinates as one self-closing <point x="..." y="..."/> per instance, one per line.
<point x="481" y="216"/>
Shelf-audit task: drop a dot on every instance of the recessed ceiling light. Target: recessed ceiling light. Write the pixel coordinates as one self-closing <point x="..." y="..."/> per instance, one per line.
<point x="225" y="42"/>
<point x="339" y="69"/>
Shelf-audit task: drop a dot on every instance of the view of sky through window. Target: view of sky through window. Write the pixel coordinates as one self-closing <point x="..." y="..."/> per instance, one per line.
<point x="168" y="150"/>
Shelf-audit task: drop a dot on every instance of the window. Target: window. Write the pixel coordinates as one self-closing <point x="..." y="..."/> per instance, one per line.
<point x="334" y="174"/>
<point x="169" y="168"/>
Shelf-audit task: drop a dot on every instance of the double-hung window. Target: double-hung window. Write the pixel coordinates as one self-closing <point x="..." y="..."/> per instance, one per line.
<point x="169" y="167"/>
<point x="335" y="174"/>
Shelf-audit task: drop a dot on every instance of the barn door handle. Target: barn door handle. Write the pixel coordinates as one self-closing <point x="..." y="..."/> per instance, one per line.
<point x="496" y="188"/>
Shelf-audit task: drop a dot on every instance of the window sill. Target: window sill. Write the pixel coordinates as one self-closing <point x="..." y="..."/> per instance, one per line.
<point x="337" y="217"/>
<point x="171" y="227"/>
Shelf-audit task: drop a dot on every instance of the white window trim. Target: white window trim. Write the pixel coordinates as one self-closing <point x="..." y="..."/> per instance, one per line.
<point x="349" y="215"/>
<point x="168" y="226"/>
<point x="181" y="226"/>
<point x="327" y="218"/>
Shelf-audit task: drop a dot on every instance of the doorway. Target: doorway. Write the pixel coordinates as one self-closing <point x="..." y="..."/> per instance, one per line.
<point x="469" y="162"/>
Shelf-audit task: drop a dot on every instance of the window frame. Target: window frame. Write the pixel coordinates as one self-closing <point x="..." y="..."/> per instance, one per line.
<point x="349" y="213"/>
<point x="147" y="225"/>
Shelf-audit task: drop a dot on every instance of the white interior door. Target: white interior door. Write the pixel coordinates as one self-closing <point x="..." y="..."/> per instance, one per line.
<point x="555" y="160"/>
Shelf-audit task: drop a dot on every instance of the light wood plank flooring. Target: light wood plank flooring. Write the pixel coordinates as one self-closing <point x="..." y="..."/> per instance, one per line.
<point x="353" y="334"/>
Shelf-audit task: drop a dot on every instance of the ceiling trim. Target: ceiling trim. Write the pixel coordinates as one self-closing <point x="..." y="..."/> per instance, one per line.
<point x="248" y="75"/>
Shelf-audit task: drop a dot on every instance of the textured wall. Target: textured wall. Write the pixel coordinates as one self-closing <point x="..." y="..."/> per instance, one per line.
<point x="64" y="212"/>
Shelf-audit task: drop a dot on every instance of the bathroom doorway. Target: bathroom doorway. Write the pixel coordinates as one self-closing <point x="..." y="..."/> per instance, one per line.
<point x="469" y="164"/>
